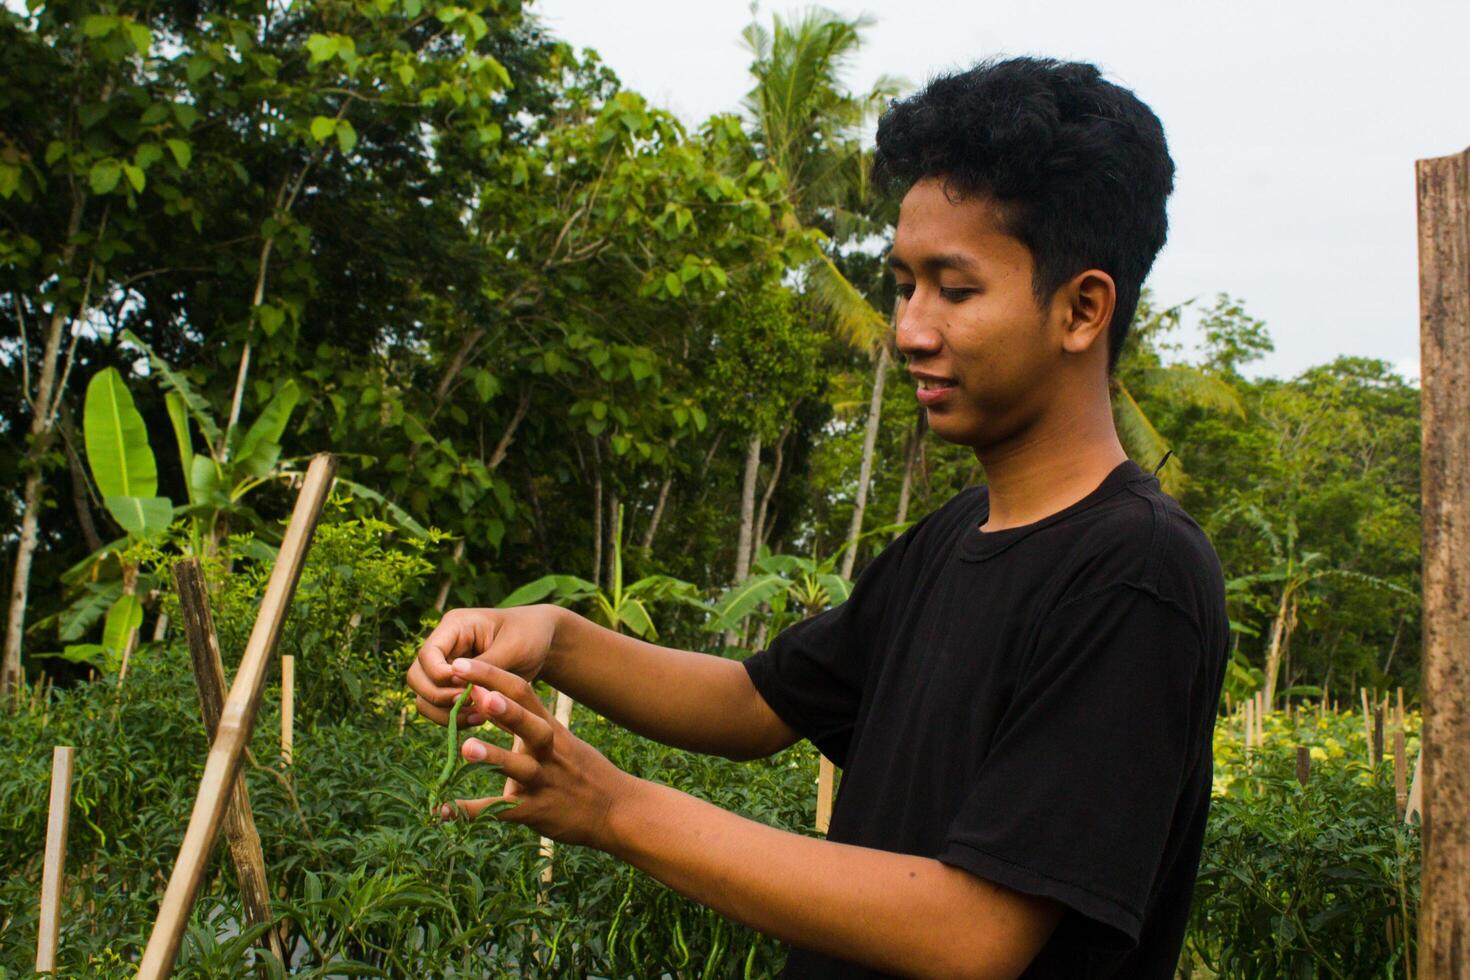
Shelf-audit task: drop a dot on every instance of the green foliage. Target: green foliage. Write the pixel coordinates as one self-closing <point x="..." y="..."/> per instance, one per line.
<point x="1302" y="881"/>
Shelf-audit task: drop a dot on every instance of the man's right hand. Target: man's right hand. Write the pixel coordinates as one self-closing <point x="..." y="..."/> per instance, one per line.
<point x="518" y="640"/>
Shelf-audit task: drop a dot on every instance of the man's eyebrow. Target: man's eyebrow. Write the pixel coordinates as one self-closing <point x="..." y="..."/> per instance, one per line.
<point x="936" y="263"/>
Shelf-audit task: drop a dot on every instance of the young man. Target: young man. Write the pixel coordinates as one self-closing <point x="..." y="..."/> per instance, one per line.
<point x="1020" y="689"/>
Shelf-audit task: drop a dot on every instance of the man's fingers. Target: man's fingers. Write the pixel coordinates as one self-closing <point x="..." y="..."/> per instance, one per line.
<point x="516" y="688"/>
<point x="470" y="809"/>
<point x="516" y="765"/>
<point x="431" y="712"/>
<point x="431" y="692"/>
<point x="461" y="633"/>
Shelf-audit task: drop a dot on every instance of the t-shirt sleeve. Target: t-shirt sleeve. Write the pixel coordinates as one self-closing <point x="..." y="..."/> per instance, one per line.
<point x="1076" y="797"/>
<point x="813" y="672"/>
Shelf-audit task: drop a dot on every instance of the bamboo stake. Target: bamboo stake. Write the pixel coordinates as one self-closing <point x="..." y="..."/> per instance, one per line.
<point x="1303" y="764"/>
<point x="209" y="680"/>
<point x="1401" y="709"/>
<point x="1368" y="727"/>
<point x="1250" y="726"/>
<point x="288" y="707"/>
<point x="1378" y="732"/>
<point x="826" y="776"/>
<point x="1415" y="804"/>
<point x="236" y="720"/>
<point x="1400" y="764"/>
<point x="48" y="927"/>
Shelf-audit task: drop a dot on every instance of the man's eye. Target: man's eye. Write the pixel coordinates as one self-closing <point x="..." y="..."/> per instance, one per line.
<point x="905" y="290"/>
<point x="957" y="294"/>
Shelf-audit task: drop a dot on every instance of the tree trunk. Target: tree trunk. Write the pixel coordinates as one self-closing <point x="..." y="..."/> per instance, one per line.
<point x="658" y="512"/>
<point x="747" y="508"/>
<point x="596" y="516"/>
<point x="610" y="552"/>
<point x="79" y="488"/>
<point x="865" y="472"/>
<point x="760" y="515"/>
<point x="442" y="599"/>
<point x="1443" y="187"/>
<point x="1273" y="655"/>
<point x="43" y="416"/>
<point x="910" y="461"/>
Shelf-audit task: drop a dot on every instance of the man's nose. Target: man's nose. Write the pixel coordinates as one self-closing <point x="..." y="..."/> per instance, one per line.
<point x="915" y="333"/>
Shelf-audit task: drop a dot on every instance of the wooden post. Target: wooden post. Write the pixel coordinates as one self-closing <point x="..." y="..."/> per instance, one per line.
<point x="1401" y="709"/>
<point x="236" y="720"/>
<point x="288" y="706"/>
<point x="1368" y="727"/>
<point x="1443" y="186"/>
<point x="1250" y="725"/>
<point x="1303" y="764"/>
<point x="48" y="925"/>
<point x="1400" y="772"/>
<point x="826" y="776"/>
<point x="1415" y="805"/>
<point x="1378" y="732"/>
<point x="209" y="681"/>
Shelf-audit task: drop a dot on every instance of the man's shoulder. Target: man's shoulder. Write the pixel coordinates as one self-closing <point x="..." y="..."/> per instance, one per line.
<point x="1143" y="538"/>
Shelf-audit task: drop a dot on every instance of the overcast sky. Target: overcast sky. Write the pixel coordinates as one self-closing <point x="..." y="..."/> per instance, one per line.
<point x="1294" y="126"/>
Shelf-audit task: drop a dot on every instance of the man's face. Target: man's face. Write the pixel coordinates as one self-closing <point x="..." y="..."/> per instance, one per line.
<point x="981" y="350"/>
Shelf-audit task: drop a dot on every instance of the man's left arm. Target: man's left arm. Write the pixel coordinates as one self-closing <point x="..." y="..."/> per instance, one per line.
<point x="897" y="913"/>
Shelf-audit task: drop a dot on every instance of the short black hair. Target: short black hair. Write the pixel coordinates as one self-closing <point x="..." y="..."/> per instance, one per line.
<point x="1078" y="166"/>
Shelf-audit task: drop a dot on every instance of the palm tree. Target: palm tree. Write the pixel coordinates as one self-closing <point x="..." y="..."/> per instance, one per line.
<point x="808" y="129"/>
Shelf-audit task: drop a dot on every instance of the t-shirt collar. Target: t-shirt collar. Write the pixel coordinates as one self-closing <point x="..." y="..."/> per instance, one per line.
<point x="977" y="545"/>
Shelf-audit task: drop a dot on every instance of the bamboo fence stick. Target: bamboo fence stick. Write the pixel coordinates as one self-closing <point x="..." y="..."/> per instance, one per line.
<point x="1368" y="727"/>
<point x="1400" y="765"/>
<point x="48" y="928"/>
<point x="288" y="707"/>
<point x="826" y="776"/>
<point x="1415" y="804"/>
<point x="209" y="680"/>
<point x="236" y="720"/>
<point x="1303" y="764"/>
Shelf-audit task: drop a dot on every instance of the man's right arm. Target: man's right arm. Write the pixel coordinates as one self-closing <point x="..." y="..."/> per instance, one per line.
<point x="689" y="700"/>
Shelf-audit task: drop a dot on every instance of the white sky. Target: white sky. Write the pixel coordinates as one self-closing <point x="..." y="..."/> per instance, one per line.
<point x="1294" y="125"/>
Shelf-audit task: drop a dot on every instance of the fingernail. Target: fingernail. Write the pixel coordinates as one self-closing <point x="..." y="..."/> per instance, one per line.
<point x="495" y="703"/>
<point x="474" y="751"/>
<point x="446" y="811"/>
<point x="461" y="666"/>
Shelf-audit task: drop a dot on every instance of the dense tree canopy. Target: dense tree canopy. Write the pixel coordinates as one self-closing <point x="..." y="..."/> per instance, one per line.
<point x="517" y="297"/>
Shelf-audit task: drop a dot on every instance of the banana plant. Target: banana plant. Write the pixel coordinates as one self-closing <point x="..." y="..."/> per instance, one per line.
<point x="126" y="474"/>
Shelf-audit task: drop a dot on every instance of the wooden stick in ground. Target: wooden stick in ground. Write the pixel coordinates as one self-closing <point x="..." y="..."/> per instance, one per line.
<point x="288" y="707"/>
<point x="1415" y="805"/>
<point x="826" y="776"/>
<point x="48" y="927"/>
<point x="209" y="680"/>
<point x="236" y="720"/>
<point x="1250" y="725"/>
<point x="1303" y="764"/>
<point x="1378" y="738"/>
<point x="1401" y="709"/>
<point x="1400" y="767"/>
<point x="1368" y="727"/>
<point x="1443" y="187"/>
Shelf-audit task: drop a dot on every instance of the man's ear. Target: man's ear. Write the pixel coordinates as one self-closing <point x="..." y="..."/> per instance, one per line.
<point x="1090" y="298"/>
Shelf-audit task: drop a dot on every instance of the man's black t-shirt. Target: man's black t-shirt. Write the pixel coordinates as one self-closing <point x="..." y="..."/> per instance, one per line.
<point x="1033" y="705"/>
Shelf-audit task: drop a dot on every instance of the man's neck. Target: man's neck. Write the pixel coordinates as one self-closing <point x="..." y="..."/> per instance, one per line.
<point x="1049" y="468"/>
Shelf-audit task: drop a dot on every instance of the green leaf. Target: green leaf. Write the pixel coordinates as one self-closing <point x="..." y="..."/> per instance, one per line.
<point x="400" y="516"/>
<point x="182" y="151"/>
<point x="346" y="136"/>
<point x="322" y="127"/>
<point x="141" y="37"/>
<point x="269" y="425"/>
<point x="98" y="25"/>
<point x="178" y="415"/>
<point x="55" y="150"/>
<point x="104" y="175"/>
<point x="635" y="616"/>
<point x="135" y="176"/>
<point x="147" y="155"/>
<point x="198" y="407"/>
<point x="141" y="517"/>
<point x="740" y="600"/>
<point x="125" y="616"/>
<point x="116" y="439"/>
<point x="673" y="284"/>
<point x="271" y="318"/>
<point x="322" y="48"/>
<point x="566" y="588"/>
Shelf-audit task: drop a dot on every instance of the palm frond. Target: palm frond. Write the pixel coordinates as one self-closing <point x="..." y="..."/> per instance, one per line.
<point x="1143" y="442"/>
<point x="1185" y="383"/>
<point x="852" y="317"/>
